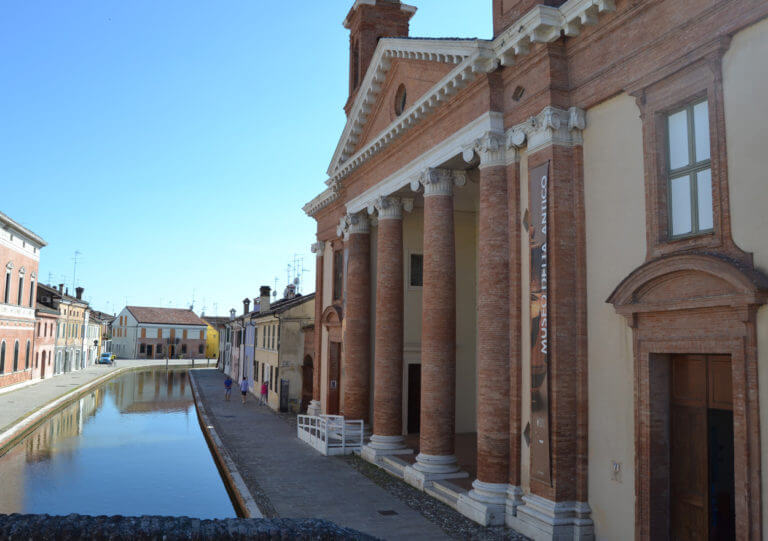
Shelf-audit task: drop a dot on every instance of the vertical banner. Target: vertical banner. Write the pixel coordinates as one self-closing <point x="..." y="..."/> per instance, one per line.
<point x="538" y="237"/>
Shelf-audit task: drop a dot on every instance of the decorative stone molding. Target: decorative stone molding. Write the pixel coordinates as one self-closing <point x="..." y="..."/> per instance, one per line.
<point x="390" y="207"/>
<point x="491" y="149"/>
<point x="22" y="271"/>
<point x="9" y="265"/>
<point x="325" y="198"/>
<point x="353" y="223"/>
<point x="552" y="126"/>
<point x="403" y="7"/>
<point x="318" y="248"/>
<point x="439" y="181"/>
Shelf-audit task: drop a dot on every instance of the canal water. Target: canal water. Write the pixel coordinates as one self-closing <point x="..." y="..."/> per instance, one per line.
<point x="132" y="446"/>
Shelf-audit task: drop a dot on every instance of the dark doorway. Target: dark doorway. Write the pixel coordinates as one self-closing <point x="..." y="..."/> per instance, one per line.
<point x="701" y="448"/>
<point x="307" y="376"/>
<point x="149" y="352"/>
<point x="414" y="398"/>
<point x="334" y="372"/>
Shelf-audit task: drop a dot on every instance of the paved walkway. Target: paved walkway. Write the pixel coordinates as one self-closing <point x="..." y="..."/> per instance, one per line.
<point x="17" y="404"/>
<point x="292" y="480"/>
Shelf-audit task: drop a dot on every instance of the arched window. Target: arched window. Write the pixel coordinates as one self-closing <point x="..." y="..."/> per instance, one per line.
<point x="2" y="357"/>
<point x="16" y="356"/>
<point x="26" y="357"/>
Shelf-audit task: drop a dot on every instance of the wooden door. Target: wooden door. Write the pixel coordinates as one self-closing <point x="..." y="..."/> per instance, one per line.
<point x="334" y="373"/>
<point x="700" y="385"/>
<point x="414" y="398"/>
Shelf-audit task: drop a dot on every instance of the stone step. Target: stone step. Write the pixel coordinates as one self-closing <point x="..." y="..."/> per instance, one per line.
<point x="395" y="466"/>
<point x="445" y="491"/>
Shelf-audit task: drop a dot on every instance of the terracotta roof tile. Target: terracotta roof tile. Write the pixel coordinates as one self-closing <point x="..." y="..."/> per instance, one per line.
<point x="168" y="316"/>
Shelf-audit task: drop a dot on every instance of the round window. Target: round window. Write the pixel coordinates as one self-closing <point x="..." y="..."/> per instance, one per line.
<point x="400" y="100"/>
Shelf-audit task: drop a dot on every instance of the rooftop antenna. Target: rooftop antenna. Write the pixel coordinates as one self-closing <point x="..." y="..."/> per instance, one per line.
<point x="74" y="271"/>
<point x="216" y="308"/>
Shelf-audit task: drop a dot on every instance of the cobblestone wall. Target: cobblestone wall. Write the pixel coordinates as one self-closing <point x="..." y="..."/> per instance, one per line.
<point x="115" y="528"/>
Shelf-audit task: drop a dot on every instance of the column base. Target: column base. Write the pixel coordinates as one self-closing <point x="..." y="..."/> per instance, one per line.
<point x="541" y="519"/>
<point x="514" y="500"/>
<point x="485" y="503"/>
<point x="429" y="468"/>
<point x="314" y="408"/>
<point x="380" y="446"/>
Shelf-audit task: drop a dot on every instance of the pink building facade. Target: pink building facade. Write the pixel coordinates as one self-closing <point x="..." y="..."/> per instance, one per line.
<point x="20" y="257"/>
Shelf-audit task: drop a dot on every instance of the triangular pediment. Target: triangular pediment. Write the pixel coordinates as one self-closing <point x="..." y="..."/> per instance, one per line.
<point x="393" y="56"/>
<point x="407" y="80"/>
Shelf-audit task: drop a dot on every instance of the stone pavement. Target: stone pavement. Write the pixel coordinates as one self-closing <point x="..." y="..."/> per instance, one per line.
<point x="17" y="404"/>
<point x="289" y="479"/>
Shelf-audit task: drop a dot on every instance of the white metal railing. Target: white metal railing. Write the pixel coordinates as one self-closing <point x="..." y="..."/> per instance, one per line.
<point x="330" y="434"/>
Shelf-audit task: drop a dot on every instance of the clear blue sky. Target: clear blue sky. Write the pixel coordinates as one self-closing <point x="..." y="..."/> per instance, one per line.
<point x="173" y="143"/>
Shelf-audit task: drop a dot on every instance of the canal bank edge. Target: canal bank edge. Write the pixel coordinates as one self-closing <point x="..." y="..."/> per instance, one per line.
<point x="227" y="466"/>
<point x="35" y="417"/>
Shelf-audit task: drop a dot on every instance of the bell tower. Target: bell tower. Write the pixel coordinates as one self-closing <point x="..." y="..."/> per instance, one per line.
<point x="367" y="21"/>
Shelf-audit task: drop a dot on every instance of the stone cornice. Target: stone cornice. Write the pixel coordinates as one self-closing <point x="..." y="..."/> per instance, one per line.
<point x="322" y="200"/>
<point x="346" y="24"/>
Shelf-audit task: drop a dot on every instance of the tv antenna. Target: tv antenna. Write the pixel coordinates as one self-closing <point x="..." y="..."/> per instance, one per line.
<point x="74" y="271"/>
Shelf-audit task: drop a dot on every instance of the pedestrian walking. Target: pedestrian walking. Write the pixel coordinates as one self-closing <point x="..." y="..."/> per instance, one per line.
<point x="263" y="399"/>
<point x="227" y="388"/>
<point x="244" y="387"/>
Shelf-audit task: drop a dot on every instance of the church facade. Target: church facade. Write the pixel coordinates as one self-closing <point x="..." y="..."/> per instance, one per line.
<point x="553" y="245"/>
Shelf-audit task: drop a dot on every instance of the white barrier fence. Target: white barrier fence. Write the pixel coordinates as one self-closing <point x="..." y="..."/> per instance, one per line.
<point x="331" y="434"/>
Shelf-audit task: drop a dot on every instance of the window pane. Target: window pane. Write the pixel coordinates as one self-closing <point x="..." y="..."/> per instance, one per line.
<point x="680" y="189"/>
<point x="704" y="189"/>
<point x="417" y="270"/>
<point x="701" y="128"/>
<point x="678" y="140"/>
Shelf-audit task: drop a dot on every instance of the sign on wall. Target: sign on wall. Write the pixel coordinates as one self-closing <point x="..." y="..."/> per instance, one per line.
<point x="538" y="242"/>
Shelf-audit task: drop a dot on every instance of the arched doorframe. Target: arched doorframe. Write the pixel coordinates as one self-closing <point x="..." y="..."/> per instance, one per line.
<point x="692" y="304"/>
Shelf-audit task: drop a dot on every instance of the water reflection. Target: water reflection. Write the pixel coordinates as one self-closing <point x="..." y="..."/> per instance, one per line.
<point x="130" y="447"/>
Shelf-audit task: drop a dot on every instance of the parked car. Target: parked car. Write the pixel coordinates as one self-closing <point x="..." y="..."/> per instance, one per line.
<point x="105" y="358"/>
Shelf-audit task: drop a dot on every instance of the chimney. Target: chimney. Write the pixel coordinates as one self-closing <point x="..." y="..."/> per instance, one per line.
<point x="66" y="291"/>
<point x="290" y="291"/>
<point x="79" y="292"/>
<point x="232" y="314"/>
<point x="61" y="288"/>
<point x="246" y="306"/>
<point x="264" y="292"/>
<point x="367" y="22"/>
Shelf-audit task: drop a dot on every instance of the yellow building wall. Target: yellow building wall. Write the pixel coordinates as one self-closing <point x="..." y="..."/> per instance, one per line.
<point x="614" y="190"/>
<point x="745" y="82"/>
<point x="211" y="342"/>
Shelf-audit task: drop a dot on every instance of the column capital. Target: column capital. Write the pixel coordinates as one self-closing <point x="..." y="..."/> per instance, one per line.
<point x="353" y="223"/>
<point x="390" y="207"/>
<point x="439" y="181"/>
<point x="491" y="148"/>
<point x="318" y="248"/>
<point x="552" y="126"/>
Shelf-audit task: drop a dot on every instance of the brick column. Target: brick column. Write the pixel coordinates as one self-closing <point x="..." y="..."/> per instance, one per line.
<point x="314" y="407"/>
<point x="557" y="506"/>
<point x="438" y="338"/>
<point x="514" y="491"/>
<point x="486" y="501"/>
<point x="387" y="435"/>
<point x="356" y="353"/>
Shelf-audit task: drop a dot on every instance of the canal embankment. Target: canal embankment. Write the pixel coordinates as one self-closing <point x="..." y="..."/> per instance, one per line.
<point x="23" y="408"/>
<point x="227" y="467"/>
<point x="289" y="479"/>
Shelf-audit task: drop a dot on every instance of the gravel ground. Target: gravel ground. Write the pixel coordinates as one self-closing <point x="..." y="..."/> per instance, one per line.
<point x="451" y="521"/>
